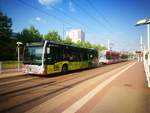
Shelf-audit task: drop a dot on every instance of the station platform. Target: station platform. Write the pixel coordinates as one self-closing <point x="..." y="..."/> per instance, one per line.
<point x="129" y="93"/>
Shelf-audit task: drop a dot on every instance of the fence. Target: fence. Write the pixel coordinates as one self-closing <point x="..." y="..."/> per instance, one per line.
<point x="146" y="61"/>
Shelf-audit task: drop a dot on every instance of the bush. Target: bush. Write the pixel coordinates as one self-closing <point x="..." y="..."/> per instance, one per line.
<point x="10" y="64"/>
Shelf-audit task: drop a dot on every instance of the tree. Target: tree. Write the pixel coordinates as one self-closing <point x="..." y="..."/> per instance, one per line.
<point x="99" y="47"/>
<point x="68" y="41"/>
<point x="84" y="44"/>
<point x="5" y="26"/>
<point x="53" y="36"/>
<point x="7" y="45"/>
<point x="29" y="35"/>
<point x="80" y="44"/>
<point x="87" y="44"/>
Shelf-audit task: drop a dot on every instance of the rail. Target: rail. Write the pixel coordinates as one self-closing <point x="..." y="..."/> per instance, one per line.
<point x="146" y="61"/>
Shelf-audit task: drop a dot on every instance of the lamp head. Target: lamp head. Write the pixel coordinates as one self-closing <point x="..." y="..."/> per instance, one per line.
<point x="19" y="43"/>
<point x="143" y="22"/>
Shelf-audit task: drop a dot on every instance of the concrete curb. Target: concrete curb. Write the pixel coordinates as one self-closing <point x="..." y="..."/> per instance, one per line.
<point x="11" y="74"/>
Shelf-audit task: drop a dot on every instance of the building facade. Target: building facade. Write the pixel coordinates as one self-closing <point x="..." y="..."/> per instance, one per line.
<point x="76" y="35"/>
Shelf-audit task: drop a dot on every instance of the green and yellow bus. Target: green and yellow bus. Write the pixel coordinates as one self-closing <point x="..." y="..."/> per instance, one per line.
<point x="47" y="57"/>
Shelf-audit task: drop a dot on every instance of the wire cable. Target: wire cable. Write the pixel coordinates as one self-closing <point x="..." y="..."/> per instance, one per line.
<point x="42" y="11"/>
<point x="92" y="17"/>
<point x="61" y="11"/>
<point x="98" y="12"/>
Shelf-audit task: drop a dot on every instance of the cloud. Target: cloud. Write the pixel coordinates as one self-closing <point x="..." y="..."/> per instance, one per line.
<point x="38" y="19"/>
<point x="41" y="20"/>
<point x="49" y="2"/>
<point x="71" y="7"/>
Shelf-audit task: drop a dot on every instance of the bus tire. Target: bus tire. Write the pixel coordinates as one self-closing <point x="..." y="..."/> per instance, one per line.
<point x="64" y="69"/>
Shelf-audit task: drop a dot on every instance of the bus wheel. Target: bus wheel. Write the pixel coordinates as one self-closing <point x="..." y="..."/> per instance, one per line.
<point x="64" y="69"/>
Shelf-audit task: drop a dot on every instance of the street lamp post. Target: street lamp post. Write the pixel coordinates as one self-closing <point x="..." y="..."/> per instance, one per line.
<point x="18" y="50"/>
<point x="148" y="37"/>
<point x="146" y="53"/>
<point x="146" y="22"/>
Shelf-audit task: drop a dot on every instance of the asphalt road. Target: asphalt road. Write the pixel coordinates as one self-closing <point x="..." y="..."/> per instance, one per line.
<point x="117" y="88"/>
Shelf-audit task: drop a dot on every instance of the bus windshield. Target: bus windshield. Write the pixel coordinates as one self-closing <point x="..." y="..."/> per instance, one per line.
<point x="102" y="55"/>
<point x="33" y="55"/>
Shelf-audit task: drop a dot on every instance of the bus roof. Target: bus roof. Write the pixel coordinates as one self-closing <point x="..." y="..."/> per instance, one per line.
<point x="41" y="43"/>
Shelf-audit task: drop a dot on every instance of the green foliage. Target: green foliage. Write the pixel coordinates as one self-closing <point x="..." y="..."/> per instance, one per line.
<point x="7" y="45"/>
<point x="5" y="26"/>
<point x="29" y="35"/>
<point x="99" y="47"/>
<point x="89" y="45"/>
<point x="80" y="44"/>
<point x="10" y="64"/>
<point x="84" y="44"/>
<point x="68" y="41"/>
<point x="53" y="36"/>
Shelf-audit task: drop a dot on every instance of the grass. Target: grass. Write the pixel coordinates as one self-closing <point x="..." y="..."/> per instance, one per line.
<point x="10" y="64"/>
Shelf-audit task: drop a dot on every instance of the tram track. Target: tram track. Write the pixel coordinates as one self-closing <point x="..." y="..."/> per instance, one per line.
<point x="54" y="81"/>
<point x="45" y="88"/>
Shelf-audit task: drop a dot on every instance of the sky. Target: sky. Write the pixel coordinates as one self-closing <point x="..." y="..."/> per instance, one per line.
<point x="101" y="20"/>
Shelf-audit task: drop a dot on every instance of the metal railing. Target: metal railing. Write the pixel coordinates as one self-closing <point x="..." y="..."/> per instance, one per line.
<point x="146" y="61"/>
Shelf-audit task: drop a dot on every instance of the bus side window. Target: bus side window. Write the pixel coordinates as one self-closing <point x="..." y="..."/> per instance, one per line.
<point x="54" y="54"/>
<point x="60" y="53"/>
<point x="57" y="53"/>
<point x="48" y="55"/>
<point x="84" y="56"/>
<point x="66" y="55"/>
<point x="48" y="50"/>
